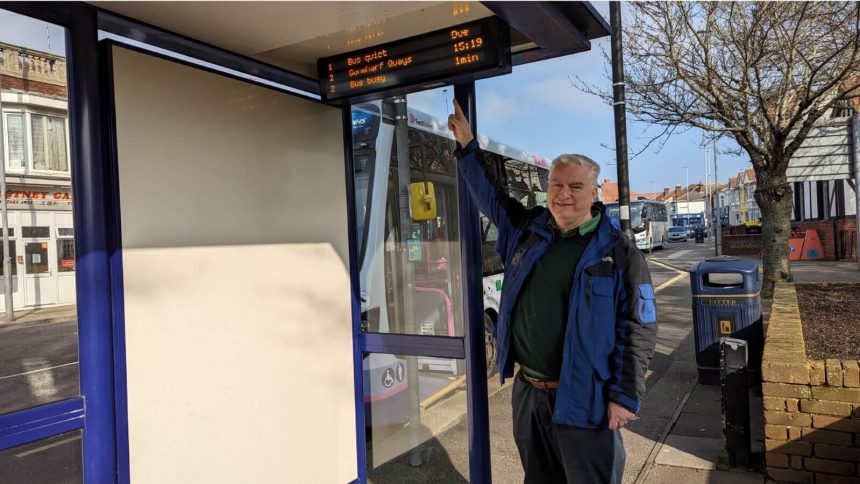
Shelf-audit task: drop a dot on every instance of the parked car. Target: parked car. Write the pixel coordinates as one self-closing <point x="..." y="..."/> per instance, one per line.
<point x="677" y="234"/>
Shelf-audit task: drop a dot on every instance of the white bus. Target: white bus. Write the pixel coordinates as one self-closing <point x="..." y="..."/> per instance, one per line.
<point x="396" y="251"/>
<point x="649" y="220"/>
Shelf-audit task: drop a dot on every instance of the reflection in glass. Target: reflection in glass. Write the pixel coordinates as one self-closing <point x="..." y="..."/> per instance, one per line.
<point x="13" y="252"/>
<point x="410" y="261"/>
<point x="55" y="460"/>
<point x="415" y="432"/>
<point x="66" y="255"/>
<point x="38" y="361"/>
<point x="402" y="244"/>
<point x="16" y="148"/>
<point x="36" y="257"/>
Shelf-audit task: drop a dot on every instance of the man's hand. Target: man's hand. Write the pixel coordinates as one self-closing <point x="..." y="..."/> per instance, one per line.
<point x="459" y="125"/>
<point x="618" y="415"/>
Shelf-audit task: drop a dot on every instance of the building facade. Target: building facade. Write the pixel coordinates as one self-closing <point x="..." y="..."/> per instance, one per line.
<point x="35" y="143"/>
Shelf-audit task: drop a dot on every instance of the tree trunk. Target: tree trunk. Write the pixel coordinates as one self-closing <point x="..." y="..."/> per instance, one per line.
<point x="773" y="195"/>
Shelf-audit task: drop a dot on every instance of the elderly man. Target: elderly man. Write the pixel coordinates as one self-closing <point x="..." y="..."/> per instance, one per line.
<point x="577" y="313"/>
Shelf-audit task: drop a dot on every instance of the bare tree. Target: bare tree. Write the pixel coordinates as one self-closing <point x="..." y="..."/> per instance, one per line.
<point x="760" y="73"/>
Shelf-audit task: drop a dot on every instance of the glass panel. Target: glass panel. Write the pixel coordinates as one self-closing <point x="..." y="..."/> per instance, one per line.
<point x="56" y="460"/>
<point x="37" y="132"/>
<point x="35" y="232"/>
<point x="56" y="144"/>
<point x="36" y="257"/>
<point x="415" y="433"/>
<point x="13" y="252"/>
<point x="65" y="255"/>
<point x="38" y="362"/>
<point x="16" y="141"/>
<point x="410" y="258"/>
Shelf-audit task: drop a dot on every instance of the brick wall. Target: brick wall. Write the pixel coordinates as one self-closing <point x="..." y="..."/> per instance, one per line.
<point x="742" y="244"/>
<point x="846" y="239"/>
<point x="811" y="407"/>
<point x="30" y="86"/>
<point x="826" y="234"/>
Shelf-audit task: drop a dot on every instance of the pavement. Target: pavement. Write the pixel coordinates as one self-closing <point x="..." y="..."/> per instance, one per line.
<point x="692" y="449"/>
<point x="53" y="314"/>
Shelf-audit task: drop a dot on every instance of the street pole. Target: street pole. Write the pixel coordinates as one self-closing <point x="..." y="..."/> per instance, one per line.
<point x="618" y="105"/>
<point x="718" y="236"/>
<point x="708" y="209"/>
<point x="410" y="322"/>
<point x="687" y="171"/>
<point x="7" y="259"/>
<point x="855" y="122"/>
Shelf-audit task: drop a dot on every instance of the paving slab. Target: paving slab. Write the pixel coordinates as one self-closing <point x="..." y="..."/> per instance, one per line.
<point x="691" y="452"/>
<point x="661" y="474"/>
<point x="693" y="425"/>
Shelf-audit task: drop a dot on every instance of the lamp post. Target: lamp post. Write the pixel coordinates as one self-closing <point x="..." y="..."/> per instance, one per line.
<point x="708" y="211"/>
<point x="7" y="256"/>
<point x="687" y="190"/>
<point x="718" y="236"/>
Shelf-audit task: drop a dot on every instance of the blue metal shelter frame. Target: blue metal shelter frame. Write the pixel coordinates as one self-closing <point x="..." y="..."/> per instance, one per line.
<point x="100" y="411"/>
<point x="94" y="411"/>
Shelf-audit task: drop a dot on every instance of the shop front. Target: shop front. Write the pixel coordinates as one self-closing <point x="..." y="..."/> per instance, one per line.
<point x="42" y="245"/>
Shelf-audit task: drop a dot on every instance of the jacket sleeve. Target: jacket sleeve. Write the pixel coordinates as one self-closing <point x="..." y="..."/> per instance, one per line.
<point x="635" y="331"/>
<point x="485" y="186"/>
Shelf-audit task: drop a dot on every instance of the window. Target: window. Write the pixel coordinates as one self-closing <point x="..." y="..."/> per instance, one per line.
<point x="36" y="142"/>
<point x="49" y="143"/>
<point x="12" y="253"/>
<point x="15" y="138"/>
<point x="66" y="255"/>
<point x="36" y="257"/>
<point x="35" y="232"/>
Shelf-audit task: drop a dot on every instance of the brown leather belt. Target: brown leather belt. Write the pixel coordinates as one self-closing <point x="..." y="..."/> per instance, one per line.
<point x="538" y="383"/>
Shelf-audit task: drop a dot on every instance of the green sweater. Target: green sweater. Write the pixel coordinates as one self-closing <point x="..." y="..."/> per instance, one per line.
<point x="540" y="315"/>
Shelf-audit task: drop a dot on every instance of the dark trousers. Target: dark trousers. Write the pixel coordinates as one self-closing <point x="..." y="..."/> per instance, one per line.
<point x="553" y="453"/>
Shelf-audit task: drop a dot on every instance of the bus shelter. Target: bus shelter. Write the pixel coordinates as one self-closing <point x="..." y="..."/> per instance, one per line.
<point x="278" y="271"/>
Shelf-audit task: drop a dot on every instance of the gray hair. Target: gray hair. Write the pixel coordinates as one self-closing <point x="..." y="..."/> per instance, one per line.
<point x="579" y="160"/>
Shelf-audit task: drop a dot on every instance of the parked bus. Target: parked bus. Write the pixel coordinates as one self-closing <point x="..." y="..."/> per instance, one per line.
<point x="398" y="250"/>
<point x="649" y="221"/>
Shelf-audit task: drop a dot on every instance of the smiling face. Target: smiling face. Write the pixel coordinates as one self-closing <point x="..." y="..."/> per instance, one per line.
<point x="571" y="193"/>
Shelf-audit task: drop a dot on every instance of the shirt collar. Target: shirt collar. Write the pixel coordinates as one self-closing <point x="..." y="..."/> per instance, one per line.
<point x="583" y="229"/>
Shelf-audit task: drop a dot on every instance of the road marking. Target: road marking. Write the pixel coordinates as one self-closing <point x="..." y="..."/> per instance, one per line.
<point x="46" y="447"/>
<point x="443" y="392"/>
<point x="37" y="371"/>
<point x="670" y="282"/>
<point x="681" y="275"/>
<point x="680" y="253"/>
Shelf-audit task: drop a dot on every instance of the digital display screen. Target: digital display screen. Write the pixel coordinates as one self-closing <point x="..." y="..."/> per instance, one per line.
<point x="469" y="51"/>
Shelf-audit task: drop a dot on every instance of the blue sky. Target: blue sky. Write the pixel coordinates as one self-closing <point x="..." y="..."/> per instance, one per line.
<point x="535" y="108"/>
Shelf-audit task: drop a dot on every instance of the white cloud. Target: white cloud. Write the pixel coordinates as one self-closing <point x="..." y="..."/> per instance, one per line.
<point x="559" y="94"/>
<point x="495" y="109"/>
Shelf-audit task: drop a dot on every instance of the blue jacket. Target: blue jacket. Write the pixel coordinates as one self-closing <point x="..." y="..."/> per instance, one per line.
<point x="611" y="328"/>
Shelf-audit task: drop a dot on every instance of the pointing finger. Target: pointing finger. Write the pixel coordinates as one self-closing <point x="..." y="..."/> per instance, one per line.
<point x="458" y="112"/>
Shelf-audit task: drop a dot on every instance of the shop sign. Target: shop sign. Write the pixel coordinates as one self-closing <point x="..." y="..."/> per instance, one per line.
<point x="37" y="198"/>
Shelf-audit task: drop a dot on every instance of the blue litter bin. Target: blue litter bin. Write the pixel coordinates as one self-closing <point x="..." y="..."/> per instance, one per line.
<point x="726" y="303"/>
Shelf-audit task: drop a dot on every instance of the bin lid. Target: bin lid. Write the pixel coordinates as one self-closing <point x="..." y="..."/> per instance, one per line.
<point x="723" y="258"/>
<point x="725" y="264"/>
